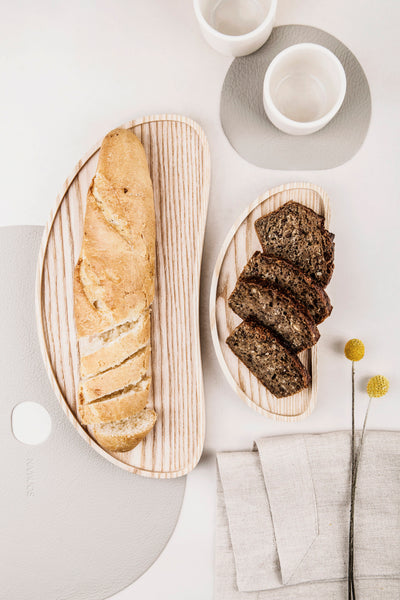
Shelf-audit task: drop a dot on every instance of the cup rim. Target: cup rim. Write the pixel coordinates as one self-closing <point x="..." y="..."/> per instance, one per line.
<point x="327" y="116"/>
<point x="244" y="36"/>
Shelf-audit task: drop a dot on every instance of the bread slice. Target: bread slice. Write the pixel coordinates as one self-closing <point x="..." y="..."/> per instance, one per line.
<point x="292" y="281"/>
<point x="280" y="371"/>
<point x="113" y="346"/>
<point x="120" y="405"/>
<point x="271" y="307"/>
<point x="129" y="372"/>
<point x="297" y="233"/>
<point x="122" y="436"/>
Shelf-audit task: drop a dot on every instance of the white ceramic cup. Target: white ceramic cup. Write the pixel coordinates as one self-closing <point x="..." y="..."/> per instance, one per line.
<point x="304" y="87"/>
<point x="235" y="27"/>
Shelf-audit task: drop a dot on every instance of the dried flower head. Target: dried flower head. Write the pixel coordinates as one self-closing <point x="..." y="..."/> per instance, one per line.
<point x="377" y="386"/>
<point x="354" y="350"/>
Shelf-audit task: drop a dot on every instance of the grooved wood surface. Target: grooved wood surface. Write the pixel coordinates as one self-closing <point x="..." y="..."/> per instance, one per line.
<point x="178" y="156"/>
<point x="239" y="245"/>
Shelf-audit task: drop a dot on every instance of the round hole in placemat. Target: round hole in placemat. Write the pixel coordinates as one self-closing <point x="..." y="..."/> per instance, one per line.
<point x="255" y="138"/>
<point x="30" y="423"/>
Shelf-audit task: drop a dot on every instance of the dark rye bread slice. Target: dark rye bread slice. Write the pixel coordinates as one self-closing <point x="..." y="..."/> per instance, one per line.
<point x="277" y="368"/>
<point x="271" y="307"/>
<point x="296" y="233"/>
<point x="292" y="281"/>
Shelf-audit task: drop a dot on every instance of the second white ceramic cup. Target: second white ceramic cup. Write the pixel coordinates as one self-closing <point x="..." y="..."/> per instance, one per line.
<point x="304" y="87"/>
<point x="235" y="27"/>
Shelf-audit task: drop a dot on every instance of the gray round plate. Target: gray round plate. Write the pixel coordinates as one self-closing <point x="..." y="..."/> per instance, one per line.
<point x="72" y="525"/>
<point x="255" y="138"/>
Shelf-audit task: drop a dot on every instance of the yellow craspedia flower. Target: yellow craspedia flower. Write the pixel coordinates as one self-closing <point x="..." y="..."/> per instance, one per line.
<point x="354" y="350"/>
<point x="377" y="386"/>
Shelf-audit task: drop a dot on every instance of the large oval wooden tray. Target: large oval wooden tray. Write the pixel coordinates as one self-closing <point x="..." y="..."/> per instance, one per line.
<point x="239" y="245"/>
<point x="178" y="157"/>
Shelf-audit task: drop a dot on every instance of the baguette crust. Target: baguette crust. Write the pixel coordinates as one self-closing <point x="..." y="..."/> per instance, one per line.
<point x="114" y="409"/>
<point x="114" y="276"/>
<point x="113" y="291"/>
<point x="128" y="433"/>
<point x="129" y="372"/>
<point x="110" y="355"/>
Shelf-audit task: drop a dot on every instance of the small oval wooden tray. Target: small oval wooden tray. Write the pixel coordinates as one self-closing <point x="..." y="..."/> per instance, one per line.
<point x="239" y="245"/>
<point x="178" y="156"/>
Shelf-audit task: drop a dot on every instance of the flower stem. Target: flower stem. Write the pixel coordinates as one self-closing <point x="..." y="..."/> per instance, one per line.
<point x="350" y="581"/>
<point x="353" y="495"/>
<point x="360" y="447"/>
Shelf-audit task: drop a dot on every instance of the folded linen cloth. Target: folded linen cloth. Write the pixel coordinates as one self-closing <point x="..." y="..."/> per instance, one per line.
<point x="283" y="518"/>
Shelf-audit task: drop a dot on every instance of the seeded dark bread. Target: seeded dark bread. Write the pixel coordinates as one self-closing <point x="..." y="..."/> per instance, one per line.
<point x="297" y="233"/>
<point x="279" y="370"/>
<point x="292" y="281"/>
<point x="271" y="307"/>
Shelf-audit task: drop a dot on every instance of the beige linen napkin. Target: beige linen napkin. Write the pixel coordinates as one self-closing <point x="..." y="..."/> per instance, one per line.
<point x="282" y="519"/>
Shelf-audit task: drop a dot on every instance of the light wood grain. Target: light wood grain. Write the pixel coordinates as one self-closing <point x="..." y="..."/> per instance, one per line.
<point x="239" y="245"/>
<point x="178" y="157"/>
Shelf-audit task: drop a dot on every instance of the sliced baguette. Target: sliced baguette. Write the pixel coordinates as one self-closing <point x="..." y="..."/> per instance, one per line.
<point x="117" y="406"/>
<point x="130" y="372"/>
<point x="114" y="276"/>
<point x="111" y="353"/>
<point x="114" y="290"/>
<point x="122" y="436"/>
<point x="91" y="343"/>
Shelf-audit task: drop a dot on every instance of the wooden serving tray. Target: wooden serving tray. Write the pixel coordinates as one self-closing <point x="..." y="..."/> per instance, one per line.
<point x="239" y="245"/>
<point x="178" y="156"/>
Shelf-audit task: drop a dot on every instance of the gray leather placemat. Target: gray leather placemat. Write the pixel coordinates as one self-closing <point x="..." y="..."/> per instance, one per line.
<point x="255" y="138"/>
<point x="72" y="525"/>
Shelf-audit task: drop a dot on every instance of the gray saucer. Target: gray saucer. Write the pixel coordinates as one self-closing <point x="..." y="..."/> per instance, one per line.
<point x="72" y="525"/>
<point x="255" y="138"/>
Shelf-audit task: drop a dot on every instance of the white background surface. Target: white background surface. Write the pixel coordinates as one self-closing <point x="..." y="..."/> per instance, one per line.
<point x="71" y="71"/>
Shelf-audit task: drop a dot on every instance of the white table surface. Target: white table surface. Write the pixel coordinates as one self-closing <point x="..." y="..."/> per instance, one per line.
<point x="71" y="71"/>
